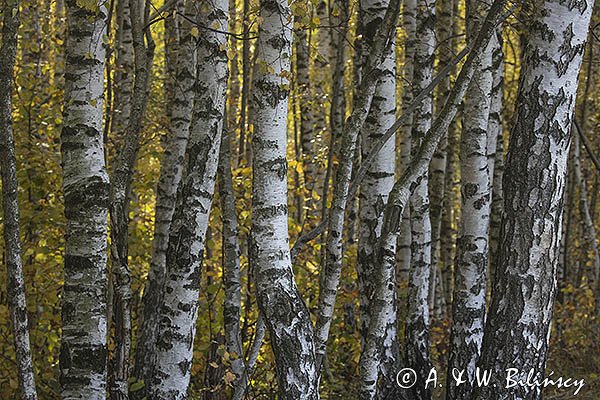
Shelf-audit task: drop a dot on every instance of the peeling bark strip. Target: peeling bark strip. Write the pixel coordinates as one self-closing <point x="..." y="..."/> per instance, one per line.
<point x="398" y="200"/>
<point x="468" y="307"/>
<point x="10" y="204"/>
<point x="171" y="168"/>
<point x="418" y="320"/>
<point x="285" y="313"/>
<point x="179" y="308"/>
<point x="382" y="38"/>
<point x="517" y="329"/>
<point x="85" y="182"/>
<point x="380" y="177"/>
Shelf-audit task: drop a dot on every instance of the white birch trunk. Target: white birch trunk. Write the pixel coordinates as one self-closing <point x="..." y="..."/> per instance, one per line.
<point x="171" y="168"/>
<point x="398" y="200"/>
<point x="468" y="307"/>
<point x="437" y="170"/>
<point x="382" y="38"/>
<point x="83" y="350"/>
<point x="179" y="306"/>
<point x="379" y="179"/>
<point x="417" y="321"/>
<point x="518" y="325"/>
<point x="285" y="313"/>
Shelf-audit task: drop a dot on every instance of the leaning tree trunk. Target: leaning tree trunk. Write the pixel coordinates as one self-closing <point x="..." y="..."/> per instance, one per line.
<point x="398" y="199"/>
<point x="120" y="190"/>
<point x="178" y="312"/>
<point x="286" y="315"/>
<point x="379" y="179"/>
<point x="468" y="307"/>
<point x="10" y="204"/>
<point x="417" y="321"/>
<point x="381" y="37"/>
<point x="171" y="168"/>
<point x="517" y="329"/>
<point x="86" y="190"/>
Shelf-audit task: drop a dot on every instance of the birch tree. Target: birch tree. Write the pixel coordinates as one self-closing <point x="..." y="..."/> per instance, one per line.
<point x="398" y="200"/>
<point x="179" y="306"/>
<point x="379" y="180"/>
<point x="437" y="170"/>
<point x="409" y="10"/>
<point x="517" y="329"/>
<point x="286" y="315"/>
<point x="171" y="167"/>
<point x="468" y="307"/>
<point x="83" y="350"/>
<point x="382" y="40"/>
<point x="417" y="321"/>
<point x="120" y="191"/>
<point x="10" y="204"/>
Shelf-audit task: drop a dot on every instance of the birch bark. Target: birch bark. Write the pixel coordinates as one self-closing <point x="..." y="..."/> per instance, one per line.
<point x="10" y="204"/>
<point x="496" y="157"/>
<point x="183" y="51"/>
<point x="468" y="307"/>
<point x="231" y="261"/>
<point x="381" y="42"/>
<point x="83" y="350"/>
<point x="285" y="313"/>
<point x="379" y="179"/>
<point x="437" y="171"/>
<point x="517" y="329"/>
<point x="417" y="321"/>
<point x="409" y="10"/>
<point x="398" y="199"/>
<point x="120" y="190"/>
<point x="179" y="306"/>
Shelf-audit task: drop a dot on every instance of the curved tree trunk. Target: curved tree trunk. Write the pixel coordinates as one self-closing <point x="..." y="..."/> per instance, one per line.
<point x="183" y="51"/>
<point x="285" y="313"/>
<point x="179" y="307"/>
<point x="10" y="205"/>
<point x="517" y="329"/>
<point x="86" y="190"/>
